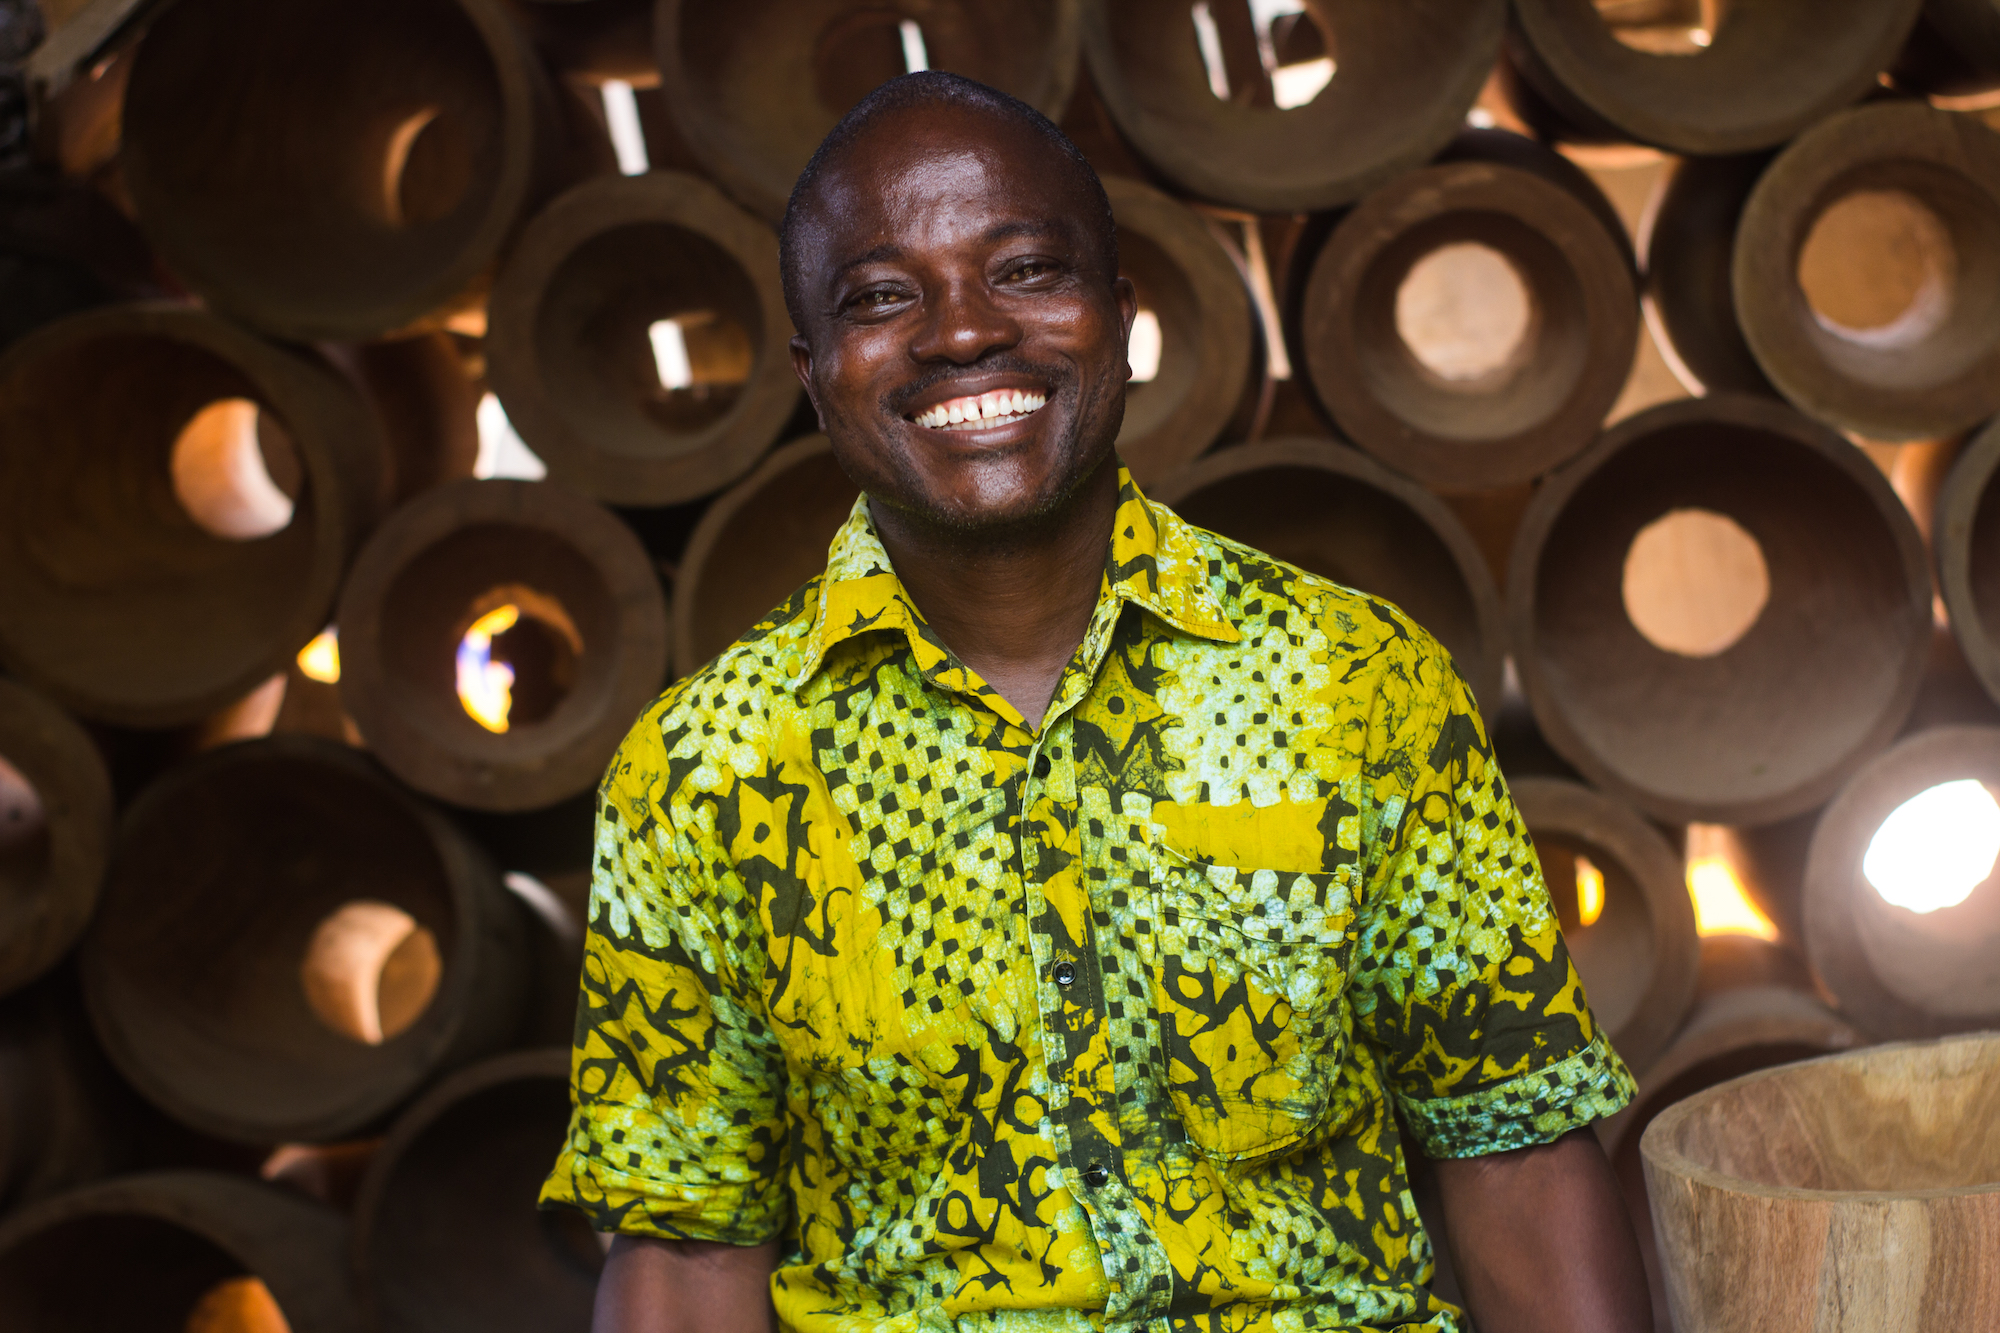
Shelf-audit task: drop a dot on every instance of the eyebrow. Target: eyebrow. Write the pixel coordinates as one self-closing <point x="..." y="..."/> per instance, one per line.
<point x="999" y="231"/>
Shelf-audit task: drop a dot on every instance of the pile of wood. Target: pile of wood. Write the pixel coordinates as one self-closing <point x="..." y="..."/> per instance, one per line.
<point x="394" y="398"/>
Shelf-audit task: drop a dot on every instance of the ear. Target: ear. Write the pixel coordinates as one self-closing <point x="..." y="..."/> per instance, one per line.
<point x="802" y="366"/>
<point x="1127" y="297"/>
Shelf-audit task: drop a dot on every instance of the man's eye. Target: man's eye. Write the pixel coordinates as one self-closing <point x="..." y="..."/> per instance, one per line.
<point x="1033" y="268"/>
<point x="874" y="299"/>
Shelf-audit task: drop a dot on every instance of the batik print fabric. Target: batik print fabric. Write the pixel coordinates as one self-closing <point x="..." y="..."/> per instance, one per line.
<point x="1101" y="1026"/>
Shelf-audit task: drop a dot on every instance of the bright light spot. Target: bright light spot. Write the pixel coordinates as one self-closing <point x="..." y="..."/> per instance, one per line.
<point x="486" y="687"/>
<point x="1695" y="582"/>
<point x="1480" y="118"/>
<point x="1700" y="36"/>
<point x="237" y="1305"/>
<point x="1463" y="311"/>
<point x="396" y="158"/>
<point x="915" y="57"/>
<point x="370" y="971"/>
<point x="1209" y="38"/>
<point x="502" y="452"/>
<point x="1295" y="85"/>
<point x="670" y="354"/>
<point x="621" y="117"/>
<point x="1935" y="848"/>
<point x="1142" y="352"/>
<point x="320" y="659"/>
<point x="1589" y="891"/>
<point x="542" y="901"/>
<point x="1721" y="907"/>
<point x="219" y="475"/>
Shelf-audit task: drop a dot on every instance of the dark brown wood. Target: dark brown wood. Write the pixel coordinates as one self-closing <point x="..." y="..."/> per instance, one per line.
<point x="1515" y="422"/>
<point x="63" y="1120"/>
<point x="276" y="193"/>
<point x="223" y="872"/>
<point x="568" y="349"/>
<point x="141" y="1252"/>
<point x="112" y="600"/>
<point x="451" y="556"/>
<point x="427" y="407"/>
<point x="1688" y="238"/>
<point x="758" y="542"/>
<point x="1895" y="972"/>
<point x="447" y="1238"/>
<point x="1933" y="378"/>
<point x="1339" y="514"/>
<point x="1773" y="724"/>
<point x="1185" y="277"/>
<point x="1966" y="538"/>
<point x="755" y="85"/>
<point x="1408" y="71"/>
<point x="55" y="822"/>
<point x="1954" y="49"/>
<point x="592" y="40"/>
<point x="1850" y="1194"/>
<point x="1769" y="70"/>
<point x="1640" y="959"/>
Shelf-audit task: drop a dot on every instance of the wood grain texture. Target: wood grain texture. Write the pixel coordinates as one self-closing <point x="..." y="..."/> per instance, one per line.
<point x="1858" y="1192"/>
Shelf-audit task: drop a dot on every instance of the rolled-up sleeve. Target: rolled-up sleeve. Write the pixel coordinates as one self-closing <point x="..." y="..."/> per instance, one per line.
<point x="1461" y="981"/>
<point x="679" y="1126"/>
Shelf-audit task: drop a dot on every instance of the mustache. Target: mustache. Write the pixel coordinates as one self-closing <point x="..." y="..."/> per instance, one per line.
<point x="900" y="400"/>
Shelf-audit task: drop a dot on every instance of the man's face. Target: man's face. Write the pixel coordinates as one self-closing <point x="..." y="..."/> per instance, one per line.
<point x="962" y="342"/>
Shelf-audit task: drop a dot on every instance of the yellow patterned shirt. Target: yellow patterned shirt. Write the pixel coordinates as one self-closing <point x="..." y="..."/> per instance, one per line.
<point x="1102" y="1025"/>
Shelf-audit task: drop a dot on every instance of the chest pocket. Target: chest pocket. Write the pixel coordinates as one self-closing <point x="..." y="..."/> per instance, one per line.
<point x="1249" y="971"/>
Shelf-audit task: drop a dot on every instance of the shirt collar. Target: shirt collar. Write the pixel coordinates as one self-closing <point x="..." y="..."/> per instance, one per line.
<point x="1156" y="561"/>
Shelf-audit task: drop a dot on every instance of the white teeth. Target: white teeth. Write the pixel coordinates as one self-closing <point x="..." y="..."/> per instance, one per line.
<point x="970" y="412"/>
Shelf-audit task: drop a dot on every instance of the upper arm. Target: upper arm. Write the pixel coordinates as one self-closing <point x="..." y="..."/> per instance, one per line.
<point x="1461" y="978"/>
<point x="678" y="1081"/>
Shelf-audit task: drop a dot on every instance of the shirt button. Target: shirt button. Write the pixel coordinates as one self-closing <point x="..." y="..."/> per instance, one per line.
<point x="1065" y="974"/>
<point x="1095" y="1175"/>
<point x="1041" y="765"/>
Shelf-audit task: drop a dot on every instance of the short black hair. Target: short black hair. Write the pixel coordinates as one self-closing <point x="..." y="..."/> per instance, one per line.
<point x="932" y="88"/>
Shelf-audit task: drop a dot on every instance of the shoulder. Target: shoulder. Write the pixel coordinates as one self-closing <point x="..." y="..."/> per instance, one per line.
<point x="723" y="716"/>
<point x="1373" y="644"/>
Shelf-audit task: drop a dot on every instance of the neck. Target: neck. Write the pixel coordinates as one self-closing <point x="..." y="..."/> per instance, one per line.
<point x="1012" y="606"/>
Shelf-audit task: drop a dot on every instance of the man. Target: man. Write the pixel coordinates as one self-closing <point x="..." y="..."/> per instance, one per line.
<point x="1039" y="921"/>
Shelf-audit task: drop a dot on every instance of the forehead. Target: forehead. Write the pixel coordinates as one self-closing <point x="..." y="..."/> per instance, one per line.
<point x="937" y="175"/>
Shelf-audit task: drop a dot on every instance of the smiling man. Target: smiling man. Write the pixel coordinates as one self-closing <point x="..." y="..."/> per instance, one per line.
<point x="1055" y="916"/>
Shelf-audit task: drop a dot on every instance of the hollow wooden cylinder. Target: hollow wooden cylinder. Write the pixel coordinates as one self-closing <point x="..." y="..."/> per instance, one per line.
<point x="1936" y="369"/>
<point x="1966" y="536"/>
<point x="1954" y="49"/>
<point x="447" y="1238"/>
<point x="55" y="822"/>
<point x="142" y="1252"/>
<point x="447" y="559"/>
<point x="63" y="1120"/>
<point x="1767" y="72"/>
<point x="223" y="874"/>
<point x="1639" y="960"/>
<point x="1774" y="722"/>
<point x="361" y="171"/>
<point x="1407" y="73"/>
<point x="757" y="544"/>
<point x="1339" y="514"/>
<point x="1189" y="283"/>
<point x="1860" y="1192"/>
<point x="1897" y="972"/>
<point x="112" y="600"/>
<point x="1688" y="238"/>
<point x="1501" y="424"/>
<point x="754" y="86"/>
<point x="569" y="351"/>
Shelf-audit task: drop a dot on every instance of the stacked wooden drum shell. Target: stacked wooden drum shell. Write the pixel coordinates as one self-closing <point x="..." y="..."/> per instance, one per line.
<point x="396" y="398"/>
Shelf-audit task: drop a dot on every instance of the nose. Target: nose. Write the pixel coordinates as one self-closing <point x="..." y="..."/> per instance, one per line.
<point x="963" y="323"/>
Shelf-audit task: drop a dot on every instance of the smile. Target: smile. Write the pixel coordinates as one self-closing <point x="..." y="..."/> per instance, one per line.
<point x="980" y="412"/>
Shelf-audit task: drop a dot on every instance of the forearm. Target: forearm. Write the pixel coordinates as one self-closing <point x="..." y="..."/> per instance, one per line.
<point x="657" y="1286"/>
<point x="1541" y="1241"/>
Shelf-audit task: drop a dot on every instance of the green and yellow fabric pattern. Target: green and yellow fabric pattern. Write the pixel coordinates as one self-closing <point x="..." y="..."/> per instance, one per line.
<point x="1101" y="1025"/>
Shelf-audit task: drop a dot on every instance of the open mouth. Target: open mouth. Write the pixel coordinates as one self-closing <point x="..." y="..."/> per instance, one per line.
<point x="981" y="411"/>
